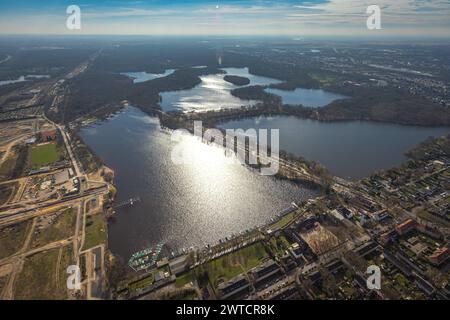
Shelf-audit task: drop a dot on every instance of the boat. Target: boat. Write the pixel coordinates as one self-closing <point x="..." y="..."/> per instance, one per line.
<point x="146" y="258"/>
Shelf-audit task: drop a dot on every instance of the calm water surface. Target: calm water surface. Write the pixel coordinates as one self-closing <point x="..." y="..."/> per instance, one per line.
<point x="348" y="149"/>
<point x="306" y="97"/>
<point x="215" y="93"/>
<point x="184" y="205"/>
<point x="254" y="80"/>
<point x="23" y="78"/>
<point x="212" y="93"/>
<point x="145" y="76"/>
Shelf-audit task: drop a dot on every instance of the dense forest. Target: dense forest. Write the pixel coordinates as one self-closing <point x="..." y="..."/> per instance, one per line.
<point x="42" y="62"/>
<point x="237" y="80"/>
<point x="384" y="104"/>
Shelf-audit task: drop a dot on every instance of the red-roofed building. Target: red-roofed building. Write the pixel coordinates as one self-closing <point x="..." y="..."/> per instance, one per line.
<point x="48" y="135"/>
<point x="439" y="256"/>
<point x="386" y="237"/>
<point x="405" y="226"/>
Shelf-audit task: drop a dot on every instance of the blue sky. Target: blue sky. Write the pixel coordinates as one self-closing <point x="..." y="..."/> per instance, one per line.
<point x="231" y="17"/>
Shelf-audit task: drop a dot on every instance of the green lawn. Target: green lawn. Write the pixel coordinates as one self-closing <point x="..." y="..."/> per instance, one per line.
<point x="233" y="264"/>
<point x="324" y="78"/>
<point x="279" y="245"/>
<point x="187" y="295"/>
<point x="142" y="283"/>
<point x="184" y="279"/>
<point x="44" y="154"/>
<point x="146" y="281"/>
<point x="181" y="294"/>
<point x="96" y="231"/>
<point x="280" y="224"/>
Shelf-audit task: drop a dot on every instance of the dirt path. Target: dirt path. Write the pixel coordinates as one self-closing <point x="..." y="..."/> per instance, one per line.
<point x="8" y="292"/>
<point x="27" y="241"/>
<point x="19" y="192"/>
<point x="12" y="195"/>
<point x="5" y="271"/>
<point x="17" y="264"/>
<point x="47" y="247"/>
<point x="8" y="148"/>
<point x="77" y="244"/>
<point x="57" y="267"/>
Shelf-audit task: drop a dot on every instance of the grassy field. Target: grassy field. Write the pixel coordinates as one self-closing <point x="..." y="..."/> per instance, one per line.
<point x="279" y="245"/>
<point x="5" y="191"/>
<point x="12" y="238"/>
<point x="3" y="281"/>
<point x="44" y="154"/>
<point x="283" y="221"/>
<point x="142" y="283"/>
<point x="42" y="277"/>
<point x="15" y="166"/>
<point x="146" y="281"/>
<point x="324" y="78"/>
<point x="96" y="231"/>
<point x="184" y="279"/>
<point x="8" y="166"/>
<point x="231" y="265"/>
<point x="61" y="228"/>
<point x="424" y="214"/>
<point x="189" y="294"/>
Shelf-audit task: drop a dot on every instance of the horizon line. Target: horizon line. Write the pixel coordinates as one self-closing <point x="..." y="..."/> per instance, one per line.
<point x="257" y="35"/>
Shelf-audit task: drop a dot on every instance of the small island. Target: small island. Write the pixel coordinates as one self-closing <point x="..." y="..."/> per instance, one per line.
<point x="237" y="80"/>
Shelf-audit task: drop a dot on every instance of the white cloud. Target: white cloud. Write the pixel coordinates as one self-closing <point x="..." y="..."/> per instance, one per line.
<point x="338" y="17"/>
<point x="407" y="12"/>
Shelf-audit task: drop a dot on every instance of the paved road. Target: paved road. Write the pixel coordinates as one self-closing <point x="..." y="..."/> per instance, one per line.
<point x="9" y="217"/>
<point x="66" y="138"/>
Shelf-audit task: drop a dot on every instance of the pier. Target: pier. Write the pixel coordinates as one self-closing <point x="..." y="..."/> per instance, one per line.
<point x="128" y="203"/>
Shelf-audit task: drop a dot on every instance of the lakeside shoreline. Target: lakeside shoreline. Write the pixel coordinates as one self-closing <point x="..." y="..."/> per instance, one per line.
<point x="118" y="110"/>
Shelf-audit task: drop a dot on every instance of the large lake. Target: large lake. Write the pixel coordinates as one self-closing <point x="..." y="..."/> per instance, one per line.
<point x="214" y="92"/>
<point x="145" y="76"/>
<point x="348" y="149"/>
<point x="184" y="205"/>
<point x="306" y="97"/>
<point x="24" y="78"/>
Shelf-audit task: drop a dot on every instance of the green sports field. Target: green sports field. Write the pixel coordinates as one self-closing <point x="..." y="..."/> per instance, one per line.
<point x="44" y="154"/>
